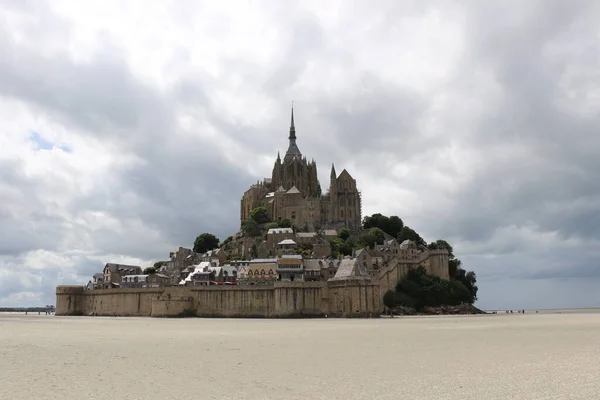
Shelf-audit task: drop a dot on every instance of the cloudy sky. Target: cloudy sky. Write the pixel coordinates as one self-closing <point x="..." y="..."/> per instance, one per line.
<point x="127" y="128"/>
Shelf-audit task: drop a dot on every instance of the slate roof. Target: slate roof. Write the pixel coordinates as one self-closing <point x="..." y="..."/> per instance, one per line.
<point x="293" y="190"/>
<point x="115" y="267"/>
<point x="286" y="242"/>
<point x="306" y="234"/>
<point x="350" y="269"/>
<point x="318" y="264"/>
<point x="263" y="260"/>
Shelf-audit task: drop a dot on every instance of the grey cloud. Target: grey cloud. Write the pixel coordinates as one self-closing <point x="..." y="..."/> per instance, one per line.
<point x="539" y="157"/>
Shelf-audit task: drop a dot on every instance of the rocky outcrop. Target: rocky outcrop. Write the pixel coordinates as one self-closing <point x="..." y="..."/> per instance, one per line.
<point x="463" y="309"/>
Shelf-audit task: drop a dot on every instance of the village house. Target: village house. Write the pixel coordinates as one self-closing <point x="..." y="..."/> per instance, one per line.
<point x="145" y="281"/>
<point x="217" y="255"/>
<point x="114" y="272"/>
<point x="98" y="280"/>
<point x="321" y="269"/>
<point x="262" y="271"/>
<point x="229" y="274"/>
<point x="289" y="268"/>
<point x="183" y="258"/>
<point x="242" y="275"/>
<point x="276" y="235"/>
<point x="286" y="246"/>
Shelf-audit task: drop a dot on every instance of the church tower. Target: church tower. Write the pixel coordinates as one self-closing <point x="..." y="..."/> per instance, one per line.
<point x="294" y="170"/>
<point x="294" y="193"/>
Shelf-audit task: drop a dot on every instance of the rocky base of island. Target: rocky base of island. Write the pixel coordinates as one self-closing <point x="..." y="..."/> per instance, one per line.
<point x="463" y="309"/>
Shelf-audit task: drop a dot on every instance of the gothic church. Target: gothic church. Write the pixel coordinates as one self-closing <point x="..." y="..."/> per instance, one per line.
<point x="293" y="192"/>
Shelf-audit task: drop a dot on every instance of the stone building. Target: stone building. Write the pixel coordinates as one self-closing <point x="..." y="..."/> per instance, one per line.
<point x="262" y="271"/>
<point x="113" y="274"/>
<point x="289" y="268"/>
<point x="293" y="192"/>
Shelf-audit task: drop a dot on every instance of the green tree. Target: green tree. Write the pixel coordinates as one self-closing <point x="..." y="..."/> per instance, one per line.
<point x="159" y="264"/>
<point x="271" y="225"/>
<point x="389" y="299"/>
<point x="395" y="225"/>
<point x="379" y="234"/>
<point x="406" y="233"/>
<point x="251" y="228"/>
<point x="205" y="242"/>
<point x="345" y="248"/>
<point x="469" y="280"/>
<point x="260" y="215"/>
<point x="150" y="270"/>
<point x="284" y="223"/>
<point x="368" y="239"/>
<point x="390" y="225"/>
<point x="418" y="289"/>
<point x="453" y="266"/>
<point x="442" y="245"/>
<point x="344" y="234"/>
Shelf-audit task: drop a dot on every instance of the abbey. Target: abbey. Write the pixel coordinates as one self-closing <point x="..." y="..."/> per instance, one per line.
<point x="293" y="192"/>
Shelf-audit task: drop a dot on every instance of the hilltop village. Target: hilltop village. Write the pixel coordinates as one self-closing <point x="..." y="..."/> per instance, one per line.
<point x="292" y="237"/>
<point x="312" y="252"/>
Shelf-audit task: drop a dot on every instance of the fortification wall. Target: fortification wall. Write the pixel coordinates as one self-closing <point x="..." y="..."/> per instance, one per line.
<point x="283" y="299"/>
<point x="301" y="299"/>
<point x="68" y="300"/>
<point x="234" y="301"/>
<point x="122" y="302"/>
<point x="354" y="299"/>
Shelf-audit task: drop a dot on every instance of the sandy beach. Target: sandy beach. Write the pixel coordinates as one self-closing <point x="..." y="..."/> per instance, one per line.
<point x="544" y="356"/>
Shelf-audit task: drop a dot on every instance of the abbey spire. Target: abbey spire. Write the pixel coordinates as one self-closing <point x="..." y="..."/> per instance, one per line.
<point x="293" y="149"/>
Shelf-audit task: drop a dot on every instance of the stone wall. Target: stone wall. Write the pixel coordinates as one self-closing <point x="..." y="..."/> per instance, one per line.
<point x="354" y="298"/>
<point x="283" y="299"/>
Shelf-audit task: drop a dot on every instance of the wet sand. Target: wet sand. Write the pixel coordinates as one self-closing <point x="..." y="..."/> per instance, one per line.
<point x="544" y="356"/>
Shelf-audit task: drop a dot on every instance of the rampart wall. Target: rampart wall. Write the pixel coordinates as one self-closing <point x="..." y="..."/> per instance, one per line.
<point x="289" y="299"/>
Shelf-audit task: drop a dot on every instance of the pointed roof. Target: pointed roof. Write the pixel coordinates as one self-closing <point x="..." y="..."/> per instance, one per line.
<point x="280" y="189"/>
<point x="293" y="148"/>
<point x="345" y="175"/>
<point x="350" y="269"/>
<point x="333" y="175"/>
<point x="293" y="190"/>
